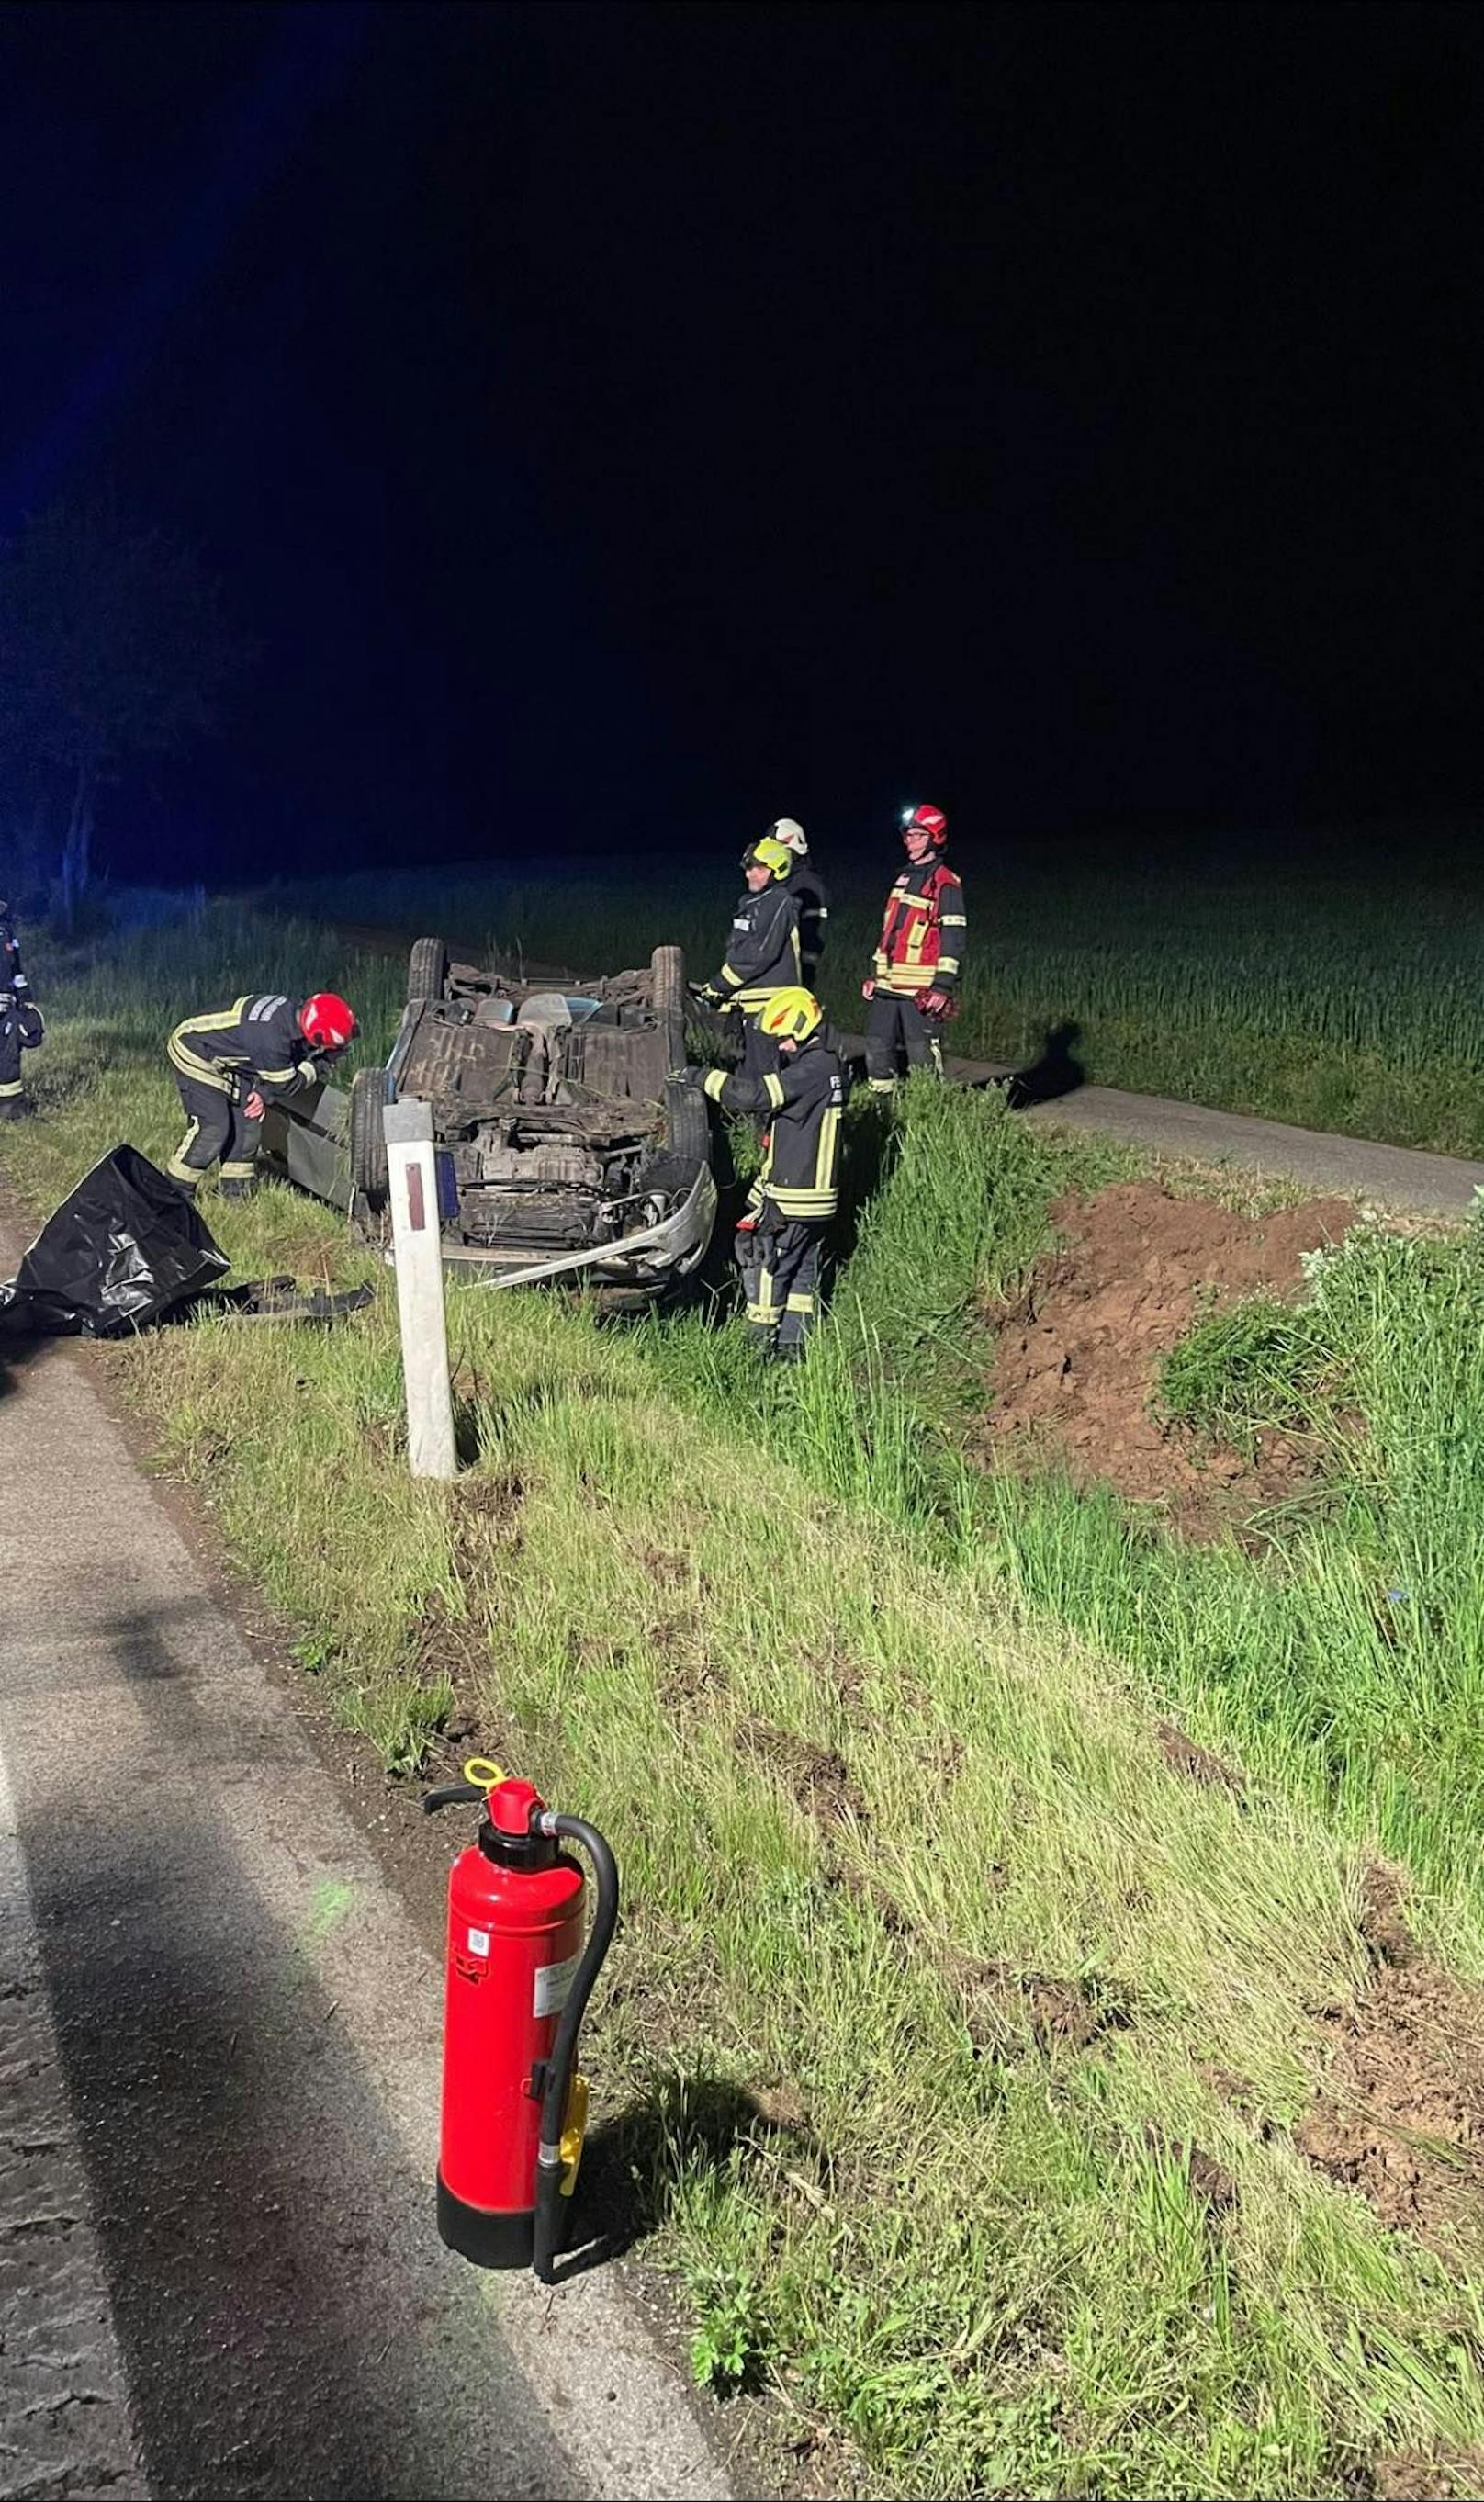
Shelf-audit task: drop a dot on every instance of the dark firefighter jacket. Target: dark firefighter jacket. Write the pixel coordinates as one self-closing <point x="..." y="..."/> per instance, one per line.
<point x="812" y="897"/>
<point x="762" y="948"/>
<point x="255" y="1043"/>
<point x="11" y="977"/>
<point x="922" y="931"/>
<point x="799" y="1176"/>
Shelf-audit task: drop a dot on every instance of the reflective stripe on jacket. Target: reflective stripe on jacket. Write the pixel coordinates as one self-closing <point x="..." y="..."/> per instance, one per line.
<point x="255" y="1043"/>
<point x="805" y="1097"/>
<point x="922" y="931"/>
<point x="812" y="897"/>
<point x="762" y="948"/>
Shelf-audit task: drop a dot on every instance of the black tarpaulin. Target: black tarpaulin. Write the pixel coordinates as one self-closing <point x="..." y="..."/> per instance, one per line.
<point x="121" y="1250"/>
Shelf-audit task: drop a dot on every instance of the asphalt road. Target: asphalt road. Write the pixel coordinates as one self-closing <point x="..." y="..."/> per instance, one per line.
<point x="1400" y="1178"/>
<point x="219" y="2072"/>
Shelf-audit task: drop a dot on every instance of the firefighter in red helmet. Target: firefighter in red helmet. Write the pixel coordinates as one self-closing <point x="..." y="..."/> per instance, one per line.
<point x="230" y="1062"/>
<point x="913" y="983"/>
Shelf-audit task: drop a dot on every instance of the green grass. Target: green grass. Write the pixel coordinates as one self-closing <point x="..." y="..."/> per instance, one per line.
<point x="1347" y="1001"/>
<point x="874" y="1736"/>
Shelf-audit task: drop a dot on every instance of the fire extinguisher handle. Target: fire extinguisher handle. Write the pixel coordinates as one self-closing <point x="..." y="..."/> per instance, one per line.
<point x="458" y="1794"/>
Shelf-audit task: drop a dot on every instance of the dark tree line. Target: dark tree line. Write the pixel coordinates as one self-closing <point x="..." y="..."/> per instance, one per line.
<point x="114" y="646"/>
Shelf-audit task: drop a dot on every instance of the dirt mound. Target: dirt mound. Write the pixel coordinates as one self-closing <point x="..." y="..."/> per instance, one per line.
<point x="1079" y="1353"/>
<point x="1402" y="2116"/>
<point x="1439" y="2476"/>
<point x="818" y="1777"/>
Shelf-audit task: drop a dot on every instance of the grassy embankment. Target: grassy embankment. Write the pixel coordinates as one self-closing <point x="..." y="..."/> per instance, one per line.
<point x="895" y="1838"/>
<point x="1348" y="1000"/>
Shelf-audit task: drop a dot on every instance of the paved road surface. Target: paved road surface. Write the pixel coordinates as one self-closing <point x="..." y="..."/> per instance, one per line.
<point x="1389" y="1177"/>
<point x="218" y="2273"/>
<point x="1400" y="1178"/>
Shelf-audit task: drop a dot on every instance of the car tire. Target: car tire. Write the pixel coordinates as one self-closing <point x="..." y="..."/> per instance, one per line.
<point x="667" y="977"/>
<point x="426" y="969"/>
<point x="687" y="1123"/>
<point x="370" y="1178"/>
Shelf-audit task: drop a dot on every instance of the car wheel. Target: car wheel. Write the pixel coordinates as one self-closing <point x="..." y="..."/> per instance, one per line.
<point x="369" y="1174"/>
<point x="687" y="1123"/>
<point x="428" y="969"/>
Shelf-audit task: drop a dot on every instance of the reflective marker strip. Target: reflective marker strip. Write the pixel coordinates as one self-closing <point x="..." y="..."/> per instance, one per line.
<point x="417" y="1216"/>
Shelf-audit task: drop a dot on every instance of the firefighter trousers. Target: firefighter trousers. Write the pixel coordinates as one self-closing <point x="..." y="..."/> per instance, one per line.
<point x="219" y="1128"/>
<point x="781" y="1276"/>
<point x="18" y="1030"/>
<point x="896" y="1025"/>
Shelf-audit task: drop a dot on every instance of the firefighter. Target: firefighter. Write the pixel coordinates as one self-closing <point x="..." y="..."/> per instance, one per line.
<point x="233" y="1062"/>
<point x="913" y="983"/>
<point x="795" y="1192"/>
<point x="761" y="950"/>
<point x="20" y="1022"/>
<point x="809" y="893"/>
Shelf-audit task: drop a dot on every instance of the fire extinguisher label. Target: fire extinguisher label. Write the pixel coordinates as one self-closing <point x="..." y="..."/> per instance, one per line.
<point x="478" y="1942"/>
<point x="553" y="1986"/>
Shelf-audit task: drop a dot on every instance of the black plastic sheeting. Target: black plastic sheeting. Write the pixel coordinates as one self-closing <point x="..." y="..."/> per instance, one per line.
<point x="123" y="1249"/>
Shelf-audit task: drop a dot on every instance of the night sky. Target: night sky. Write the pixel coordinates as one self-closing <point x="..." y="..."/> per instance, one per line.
<point x="623" y="425"/>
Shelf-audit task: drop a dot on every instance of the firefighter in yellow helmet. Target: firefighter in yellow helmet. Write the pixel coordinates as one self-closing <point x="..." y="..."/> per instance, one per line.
<point x="761" y="951"/>
<point x="797" y="1192"/>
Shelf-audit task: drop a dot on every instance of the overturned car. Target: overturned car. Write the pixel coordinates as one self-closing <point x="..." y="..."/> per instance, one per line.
<point x="569" y="1146"/>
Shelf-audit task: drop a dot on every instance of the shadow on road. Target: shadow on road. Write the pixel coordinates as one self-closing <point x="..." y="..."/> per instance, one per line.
<point x="1057" y="1073"/>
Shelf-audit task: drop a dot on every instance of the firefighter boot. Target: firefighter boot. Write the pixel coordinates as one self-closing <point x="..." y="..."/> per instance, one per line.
<point x="16" y="1107"/>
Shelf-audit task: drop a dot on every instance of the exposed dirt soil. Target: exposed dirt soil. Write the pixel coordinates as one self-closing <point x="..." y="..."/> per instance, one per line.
<point x="1437" y="2476"/>
<point x="1182" y="1754"/>
<point x="817" y="1775"/>
<point x="1211" y="2185"/>
<point x="1079" y="1352"/>
<point x="1000" y="2004"/>
<point x="1401" y="2114"/>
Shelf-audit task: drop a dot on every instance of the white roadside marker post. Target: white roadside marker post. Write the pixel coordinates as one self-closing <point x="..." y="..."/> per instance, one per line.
<point x="417" y="1245"/>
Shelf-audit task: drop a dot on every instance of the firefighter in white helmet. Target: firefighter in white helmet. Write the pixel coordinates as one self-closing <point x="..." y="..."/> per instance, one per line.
<point x="809" y="893"/>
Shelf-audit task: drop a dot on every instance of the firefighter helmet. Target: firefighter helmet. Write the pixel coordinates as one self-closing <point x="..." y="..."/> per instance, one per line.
<point x="791" y="833"/>
<point x="770" y="854"/>
<point x="791" y="1016"/>
<point x="328" y="1021"/>
<point x="924" y="819"/>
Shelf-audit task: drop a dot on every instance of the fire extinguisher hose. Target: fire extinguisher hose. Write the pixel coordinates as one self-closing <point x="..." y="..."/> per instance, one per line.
<point x="559" y="2076"/>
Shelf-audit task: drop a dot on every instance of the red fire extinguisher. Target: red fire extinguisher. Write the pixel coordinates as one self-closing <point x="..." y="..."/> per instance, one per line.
<point x="518" y="1979"/>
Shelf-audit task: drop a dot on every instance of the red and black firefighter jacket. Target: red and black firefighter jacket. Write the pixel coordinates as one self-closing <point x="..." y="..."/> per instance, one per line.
<point x="254" y="1045"/>
<point x="761" y="950"/>
<point x="804" y="1100"/>
<point x="922" y="931"/>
